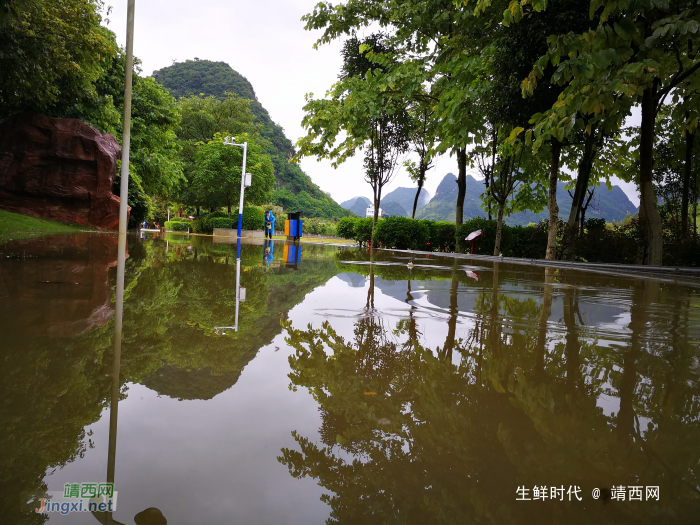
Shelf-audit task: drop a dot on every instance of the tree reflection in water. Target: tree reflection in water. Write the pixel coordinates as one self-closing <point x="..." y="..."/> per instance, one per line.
<point x="408" y="436"/>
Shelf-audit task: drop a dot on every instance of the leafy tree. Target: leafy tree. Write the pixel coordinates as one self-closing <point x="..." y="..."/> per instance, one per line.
<point x="204" y="116"/>
<point x="217" y="173"/>
<point x="378" y="125"/>
<point x="154" y="119"/>
<point x="53" y="54"/>
<point x="638" y="53"/>
<point x="422" y="137"/>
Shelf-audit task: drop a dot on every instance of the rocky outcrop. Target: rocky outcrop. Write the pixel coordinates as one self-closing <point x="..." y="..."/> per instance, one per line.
<point x="59" y="169"/>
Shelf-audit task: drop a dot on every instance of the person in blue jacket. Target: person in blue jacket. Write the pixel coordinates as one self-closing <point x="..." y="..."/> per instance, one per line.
<point x="269" y="224"/>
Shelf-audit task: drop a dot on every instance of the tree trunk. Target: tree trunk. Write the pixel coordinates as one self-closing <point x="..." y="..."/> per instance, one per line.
<point x="446" y="354"/>
<point x="228" y="203"/>
<point x="648" y="211"/>
<point x="644" y="295"/>
<point x="552" y="204"/>
<point x="585" y="167"/>
<point x="375" y="218"/>
<point x="572" y="345"/>
<point x="461" y="185"/>
<point x="421" y="180"/>
<point x="499" y="230"/>
<point x="545" y="313"/>
<point x="687" y="171"/>
<point x="370" y="290"/>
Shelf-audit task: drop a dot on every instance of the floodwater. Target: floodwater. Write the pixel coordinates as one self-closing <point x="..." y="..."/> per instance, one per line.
<point x="343" y="387"/>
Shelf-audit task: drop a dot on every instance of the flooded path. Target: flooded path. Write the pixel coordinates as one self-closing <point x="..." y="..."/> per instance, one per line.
<point x="356" y="388"/>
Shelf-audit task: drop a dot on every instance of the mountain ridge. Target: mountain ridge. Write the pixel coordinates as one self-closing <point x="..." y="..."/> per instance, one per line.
<point x="195" y="77"/>
<point x="611" y="204"/>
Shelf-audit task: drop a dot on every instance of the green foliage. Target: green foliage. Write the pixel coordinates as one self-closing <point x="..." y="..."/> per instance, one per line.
<point x="154" y="150"/>
<point x="402" y="233"/>
<point x="205" y="116"/>
<point x="516" y="241"/>
<point x="319" y="226"/>
<point x="442" y="236"/>
<point x="177" y="226"/>
<point x="253" y="219"/>
<point x="346" y="228"/>
<point x="363" y="230"/>
<point x="52" y="55"/>
<point x="216" y="177"/>
<point x="201" y="83"/>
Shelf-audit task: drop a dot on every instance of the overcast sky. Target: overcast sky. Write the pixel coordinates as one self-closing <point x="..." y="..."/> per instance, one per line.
<point x="266" y="43"/>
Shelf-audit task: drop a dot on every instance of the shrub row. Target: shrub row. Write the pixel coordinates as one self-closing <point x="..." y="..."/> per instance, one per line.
<point x="317" y="226"/>
<point x="529" y="242"/>
<point x="253" y="219"/>
<point x="178" y="225"/>
<point x="400" y="232"/>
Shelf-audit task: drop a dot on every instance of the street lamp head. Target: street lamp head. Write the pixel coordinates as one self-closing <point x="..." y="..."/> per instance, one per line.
<point x="229" y="141"/>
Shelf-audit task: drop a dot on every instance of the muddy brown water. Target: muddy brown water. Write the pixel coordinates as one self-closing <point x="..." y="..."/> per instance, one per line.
<point x="358" y="388"/>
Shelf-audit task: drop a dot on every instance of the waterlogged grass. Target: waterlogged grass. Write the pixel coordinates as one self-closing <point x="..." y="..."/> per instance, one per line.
<point x="15" y="226"/>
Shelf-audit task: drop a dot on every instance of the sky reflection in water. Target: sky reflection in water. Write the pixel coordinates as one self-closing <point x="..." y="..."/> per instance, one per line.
<point x="450" y="384"/>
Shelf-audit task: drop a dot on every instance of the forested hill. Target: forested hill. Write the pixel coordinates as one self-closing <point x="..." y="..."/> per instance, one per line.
<point x="612" y="205"/>
<point x="295" y="190"/>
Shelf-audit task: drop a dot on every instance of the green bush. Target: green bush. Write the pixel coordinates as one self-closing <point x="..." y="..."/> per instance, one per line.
<point x="442" y="236"/>
<point x="223" y="222"/>
<point x="346" y="228"/>
<point x="200" y="226"/>
<point x="319" y="226"/>
<point x="363" y="230"/>
<point x="529" y="242"/>
<point x="177" y="226"/>
<point x="253" y="218"/>
<point x="484" y="246"/>
<point x="402" y="233"/>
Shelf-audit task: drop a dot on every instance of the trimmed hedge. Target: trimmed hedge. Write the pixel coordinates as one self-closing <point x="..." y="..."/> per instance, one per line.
<point x="600" y="242"/>
<point x="529" y="242"/>
<point x="178" y="226"/>
<point x="253" y="219"/>
<point x="403" y="233"/>
<point x="442" y="236"/>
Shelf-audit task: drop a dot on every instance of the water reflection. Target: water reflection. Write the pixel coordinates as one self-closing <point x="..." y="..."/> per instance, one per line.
<point x="437" y="388"/>
<point x="65" y="359"/>
<point x="536" y="394"/>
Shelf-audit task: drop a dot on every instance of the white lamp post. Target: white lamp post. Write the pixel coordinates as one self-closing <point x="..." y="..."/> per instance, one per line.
<point x="246" y="180"/>
<point x="240" y="298"/>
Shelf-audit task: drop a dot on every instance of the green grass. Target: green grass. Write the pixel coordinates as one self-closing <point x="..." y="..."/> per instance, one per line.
<point x="16" y="226"/>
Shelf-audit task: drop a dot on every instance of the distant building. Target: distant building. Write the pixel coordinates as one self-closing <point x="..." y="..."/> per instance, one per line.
<point x="328" y="193"/>
<point x="370" y="212"/>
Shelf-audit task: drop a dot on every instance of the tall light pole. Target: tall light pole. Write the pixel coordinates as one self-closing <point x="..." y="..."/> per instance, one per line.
<point x="121" y="243"/>
<point x="246" y="179"/>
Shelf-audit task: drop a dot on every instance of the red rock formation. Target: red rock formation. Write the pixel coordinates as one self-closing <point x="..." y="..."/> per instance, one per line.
<point x="60" y="169"/>
<point x="57" y="285"/>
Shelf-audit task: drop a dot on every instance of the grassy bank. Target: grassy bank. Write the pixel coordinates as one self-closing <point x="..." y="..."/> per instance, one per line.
<point x="16" y="226"/>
